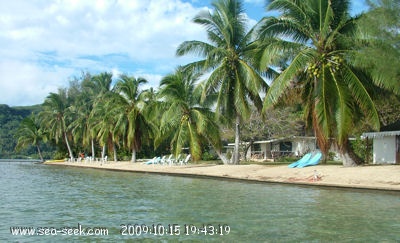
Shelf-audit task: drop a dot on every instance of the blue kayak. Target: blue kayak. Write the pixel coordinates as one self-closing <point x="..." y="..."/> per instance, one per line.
<point x="304" y="159"/>
<point x="313" y="161"/>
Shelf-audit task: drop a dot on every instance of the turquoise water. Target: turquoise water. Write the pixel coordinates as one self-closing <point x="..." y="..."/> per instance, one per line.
<point x="56" y="197"/>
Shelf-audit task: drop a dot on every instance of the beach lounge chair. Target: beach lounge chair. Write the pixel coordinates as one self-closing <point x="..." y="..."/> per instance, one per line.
<point x="166" y="161"/>
<point x="304" y="159"/>
<point x="153" y="161"/>
<point x="177" y="159"/>
<point x="170" y="160"/>
<point x="163" y="160"/>
<point x="313" y="161"/>
<point x="185" y="161"/>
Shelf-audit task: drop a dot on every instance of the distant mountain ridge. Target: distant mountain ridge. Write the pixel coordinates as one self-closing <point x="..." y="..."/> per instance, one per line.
<point x="10" y="118"/>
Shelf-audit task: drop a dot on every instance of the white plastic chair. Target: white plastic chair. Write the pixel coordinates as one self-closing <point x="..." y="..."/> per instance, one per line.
<point x="185" y="161"/>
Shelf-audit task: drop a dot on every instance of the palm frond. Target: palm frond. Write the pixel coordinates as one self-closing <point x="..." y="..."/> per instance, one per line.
<point x="361" y="96"/>
<point x="287" y="76"/>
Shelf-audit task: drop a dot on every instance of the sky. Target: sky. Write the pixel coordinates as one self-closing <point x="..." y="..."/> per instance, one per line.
<point x="46" y="43"/>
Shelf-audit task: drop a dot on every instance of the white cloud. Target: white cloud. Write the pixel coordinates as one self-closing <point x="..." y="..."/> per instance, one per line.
<point x="27" y="84"/>
<point x="44" y="43"/>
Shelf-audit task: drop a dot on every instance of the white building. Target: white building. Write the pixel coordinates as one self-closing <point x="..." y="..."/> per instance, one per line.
<point x="386" y="146"/>
<point x="274" y="148"/>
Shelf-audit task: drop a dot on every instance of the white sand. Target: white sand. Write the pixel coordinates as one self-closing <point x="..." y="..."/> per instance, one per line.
<point x="385" y="177"/>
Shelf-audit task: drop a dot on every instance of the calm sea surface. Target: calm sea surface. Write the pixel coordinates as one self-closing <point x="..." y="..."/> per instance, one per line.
<point x="58" y="202"/>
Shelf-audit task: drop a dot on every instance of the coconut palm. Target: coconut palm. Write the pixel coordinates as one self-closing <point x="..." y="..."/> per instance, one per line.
<point x="334" y="92"/>
<point x="104" y="121"/>
<point x="30" y="133"/>
<point x="130" y="105"/>
<point x="55" y="117"/>
<point x="101" y="119"/>
<point x="228" y="57"/>
<point x="99" y="84"/>
<point x="81" y="125"/>
<point x="91" y="89"/>
<point x="184" y="120"/>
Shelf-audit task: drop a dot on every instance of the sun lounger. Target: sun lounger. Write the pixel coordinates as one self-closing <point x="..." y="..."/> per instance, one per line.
<point x="153" y="161"/>
<point x="163" y="160"/>
<point x="169" y="161"/>
<point x="185" y="161"/>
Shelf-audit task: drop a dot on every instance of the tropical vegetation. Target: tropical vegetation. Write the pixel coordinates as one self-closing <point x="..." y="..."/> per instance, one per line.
<point x="228" y="56"/>
<point x="320" y="35"/>
<point x="185" y="121"/>
<point x="310" y="61"/>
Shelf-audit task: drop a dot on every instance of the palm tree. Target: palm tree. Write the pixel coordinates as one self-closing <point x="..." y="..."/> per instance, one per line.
<point x="228" y="57"/>
<point x="30" y="133"/>
<point x="130" y="105"/>
<point x="99" y="84"/>
<point x="184" y="120"/>
<point x="82" y="123"/>
<point x="100" y="118"/>
<point x="104" y="121"/>
<point x="334" y="92"/>
<point x="55" y="117"/>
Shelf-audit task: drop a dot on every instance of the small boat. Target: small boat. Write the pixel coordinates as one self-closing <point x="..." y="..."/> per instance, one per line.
<point x="54" y="161"/>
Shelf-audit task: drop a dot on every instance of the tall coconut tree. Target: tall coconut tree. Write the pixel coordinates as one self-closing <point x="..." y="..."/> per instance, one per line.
<point x="55" y="117"/>
<point x="104" y="121"/>
<point x="100" y="90"/>
<point x="82" y="106"/>
<point x="30" y="133"/>
<point x="185" y="121"/>
<point x="81" y="124"/>
<point x="131" y="105"/>
<point x="227" y="56"/>
<point x="334" y="92"/>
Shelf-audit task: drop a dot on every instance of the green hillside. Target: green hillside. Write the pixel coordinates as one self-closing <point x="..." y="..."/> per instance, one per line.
<point x="10" y="118"/>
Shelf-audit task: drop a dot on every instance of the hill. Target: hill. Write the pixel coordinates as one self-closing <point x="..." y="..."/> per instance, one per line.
<point x="10" y="118"/>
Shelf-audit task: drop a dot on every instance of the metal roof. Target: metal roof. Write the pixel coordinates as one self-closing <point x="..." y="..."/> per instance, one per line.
<point x="275" y="140"/>
<point x="380" y="134"/>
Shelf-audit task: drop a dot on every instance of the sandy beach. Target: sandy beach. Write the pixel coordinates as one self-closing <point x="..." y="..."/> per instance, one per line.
<point x="381" y="177"/>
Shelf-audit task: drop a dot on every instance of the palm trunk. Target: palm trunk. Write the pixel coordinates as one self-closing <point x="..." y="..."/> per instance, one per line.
<point x="40" y="153"/>
<point x="347" y="160"/>
<point x="71" y="155"/>
<point x="348" y="157"/>
<point x="133" y="155"/>
<point x="93" y="149"/>
<point x="246" y="150"/>
<point x="235" y="157"/>
<point x="103" y="153"/>
<point x="217" y="150"/>
<point x="222" y="157"/>
<point x="115" y="152"/>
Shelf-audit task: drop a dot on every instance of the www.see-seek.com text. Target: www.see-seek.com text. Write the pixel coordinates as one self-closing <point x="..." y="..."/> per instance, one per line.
<point x="43" y="231"/>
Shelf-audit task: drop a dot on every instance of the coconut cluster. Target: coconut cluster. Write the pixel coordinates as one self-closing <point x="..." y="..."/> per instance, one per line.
<point x="333" y="63"/>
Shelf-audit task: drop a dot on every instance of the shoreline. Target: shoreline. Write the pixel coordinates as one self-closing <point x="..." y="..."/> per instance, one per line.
<point x="380" y="177"/>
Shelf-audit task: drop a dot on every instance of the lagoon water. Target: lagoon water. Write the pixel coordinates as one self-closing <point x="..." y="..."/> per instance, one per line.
<point x="55" y="197"/>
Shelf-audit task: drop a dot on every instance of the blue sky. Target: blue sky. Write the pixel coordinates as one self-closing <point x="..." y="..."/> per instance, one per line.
<point x="44" y="43"/>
